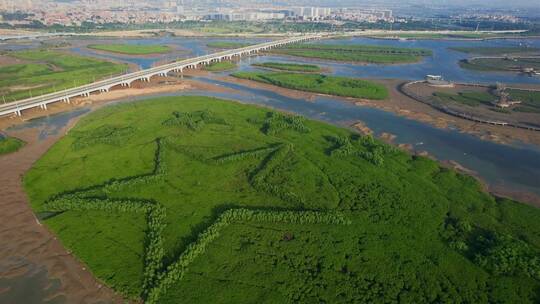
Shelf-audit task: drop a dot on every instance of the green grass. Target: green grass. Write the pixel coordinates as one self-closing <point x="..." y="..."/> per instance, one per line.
<point x="227" y="45"/>
<point x="530" y="100"/>
<point x="131" y="49"/>
<point x="323" y="84"/>
<point x="495" y="50"/>
<point x="186" y="198"/>
<point x="500" y="64"/>
<point x="10" y="145"/>
<point x="355" y="53"/>
<point x="291" y="67"/>
<point x="220" y="66"/>
<point x="472" y="99"/>
<point x="49" y="71"/>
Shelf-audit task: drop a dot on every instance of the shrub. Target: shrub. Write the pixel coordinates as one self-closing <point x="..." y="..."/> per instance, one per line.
<point x="176" y="271"/>
<point x="194" y="121"/>
<point x="105" y="135"/>
<point x="276" y="122"/>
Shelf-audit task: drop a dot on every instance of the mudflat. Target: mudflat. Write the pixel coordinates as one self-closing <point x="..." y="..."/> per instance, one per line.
<point x="24" y="239"/>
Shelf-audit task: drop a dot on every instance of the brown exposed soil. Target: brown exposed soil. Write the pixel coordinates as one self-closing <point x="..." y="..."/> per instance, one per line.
<point x="361" y="127"/>
<point x="27" y="87"/>
<point x="8" y="60"/>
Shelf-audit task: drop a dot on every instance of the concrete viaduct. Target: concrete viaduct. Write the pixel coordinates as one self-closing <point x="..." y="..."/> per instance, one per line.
<point x="42" y="101"/>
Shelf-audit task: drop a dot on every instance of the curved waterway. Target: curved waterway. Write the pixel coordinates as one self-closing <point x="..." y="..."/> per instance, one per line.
<point x="515" y="167"/>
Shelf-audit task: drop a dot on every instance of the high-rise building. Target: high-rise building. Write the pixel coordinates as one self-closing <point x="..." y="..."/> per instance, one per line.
<point x="311" y="12"/>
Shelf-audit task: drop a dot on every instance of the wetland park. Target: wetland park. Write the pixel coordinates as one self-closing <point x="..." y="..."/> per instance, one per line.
<point x="302" y="174"/>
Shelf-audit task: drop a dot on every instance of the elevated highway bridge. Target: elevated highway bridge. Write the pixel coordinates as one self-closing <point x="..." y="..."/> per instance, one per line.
<point x="42" y="101"/>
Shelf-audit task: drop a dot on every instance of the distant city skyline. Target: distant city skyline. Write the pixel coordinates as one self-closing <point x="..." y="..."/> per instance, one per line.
<point x="450" y="3"/>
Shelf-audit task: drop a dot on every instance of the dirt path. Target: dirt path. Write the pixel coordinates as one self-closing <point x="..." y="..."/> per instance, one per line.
<point x="26" y="243"/>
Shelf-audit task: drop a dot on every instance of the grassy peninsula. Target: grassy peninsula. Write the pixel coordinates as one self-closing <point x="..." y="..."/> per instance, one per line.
<point x="500" y="64"/>
<point x="48" y="71"/>
<point x="10" y="144"/>
<point x="323" y="84"/>
<point x="496" y="50"/>
<point x="131" y="49"/>
<point x="355" y="53"/>
<point x="206" y="200"/>
<point x="290" y="67"/>
<point x="220" y="66"/>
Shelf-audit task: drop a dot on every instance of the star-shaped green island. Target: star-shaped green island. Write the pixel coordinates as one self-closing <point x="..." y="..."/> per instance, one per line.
<point x="198" y="200"/>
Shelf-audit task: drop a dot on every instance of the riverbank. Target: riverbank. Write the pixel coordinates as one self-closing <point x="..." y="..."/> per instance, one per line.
<point x="403" y="105"/>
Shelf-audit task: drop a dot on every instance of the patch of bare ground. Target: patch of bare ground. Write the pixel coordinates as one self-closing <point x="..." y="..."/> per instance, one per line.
<point x="361" y="127"/>
<point x="10" y="32"/>
<point x="26" y="87"/>
<point x="8" y="60"/>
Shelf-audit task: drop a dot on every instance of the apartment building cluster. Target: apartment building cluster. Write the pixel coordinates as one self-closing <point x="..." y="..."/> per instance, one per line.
<point x="50" y="12"/>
